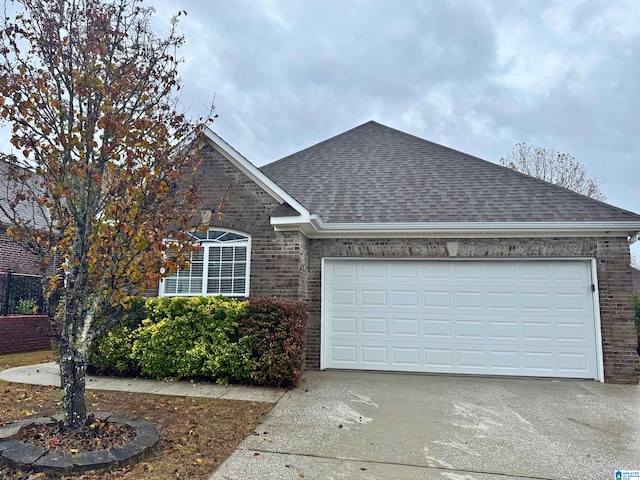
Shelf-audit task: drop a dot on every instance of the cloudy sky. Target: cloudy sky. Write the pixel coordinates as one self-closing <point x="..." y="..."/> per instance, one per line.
<point x="477" y="76"/>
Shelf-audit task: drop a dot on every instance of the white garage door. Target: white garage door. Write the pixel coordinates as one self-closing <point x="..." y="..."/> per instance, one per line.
<point x="529" y="318"/>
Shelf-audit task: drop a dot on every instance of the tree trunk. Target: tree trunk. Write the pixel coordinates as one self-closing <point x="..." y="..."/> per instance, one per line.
<point x="73" y="368"/>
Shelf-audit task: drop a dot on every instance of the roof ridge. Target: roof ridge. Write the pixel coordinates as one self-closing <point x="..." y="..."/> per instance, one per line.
<point x="321" y="142"/>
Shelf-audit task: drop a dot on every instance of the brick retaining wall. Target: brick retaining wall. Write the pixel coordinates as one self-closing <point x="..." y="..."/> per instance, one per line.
<point x="24" y="333"/>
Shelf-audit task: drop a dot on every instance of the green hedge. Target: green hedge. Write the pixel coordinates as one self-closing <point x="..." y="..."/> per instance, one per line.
<point x="111" y="354"/>
<point x="191" y="337"/>
<point x="636" y="302"/>
<point x="260" y="341"/>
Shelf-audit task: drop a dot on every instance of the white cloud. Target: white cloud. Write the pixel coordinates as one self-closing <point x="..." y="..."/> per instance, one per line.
<point x="476" y="76"/>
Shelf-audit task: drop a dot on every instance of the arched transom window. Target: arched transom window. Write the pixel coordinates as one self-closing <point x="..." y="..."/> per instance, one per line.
<point x="220" y="268"/>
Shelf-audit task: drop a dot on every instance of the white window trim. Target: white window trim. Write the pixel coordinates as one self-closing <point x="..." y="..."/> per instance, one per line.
<point x="206" y="244"/>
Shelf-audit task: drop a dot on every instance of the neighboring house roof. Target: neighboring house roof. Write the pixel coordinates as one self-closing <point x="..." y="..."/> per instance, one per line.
<point x="31" y="214"/>
<point x="635" y="278"/>
<point x="376" y="174"/>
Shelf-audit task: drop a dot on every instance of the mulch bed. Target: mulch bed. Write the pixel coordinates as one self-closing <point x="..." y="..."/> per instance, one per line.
<point x="94" y="435"/>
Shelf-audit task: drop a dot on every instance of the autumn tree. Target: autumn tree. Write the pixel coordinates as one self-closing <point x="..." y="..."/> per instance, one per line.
<point x="554" y="167"/>
<point x="99" y="147"/>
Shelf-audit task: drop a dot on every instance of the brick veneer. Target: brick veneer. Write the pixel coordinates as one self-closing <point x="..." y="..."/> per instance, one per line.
<point x="286" y="264"/>
<point x="24" y="333"/>
<point x="13" y="256"/>
<point x="276" y="257"/>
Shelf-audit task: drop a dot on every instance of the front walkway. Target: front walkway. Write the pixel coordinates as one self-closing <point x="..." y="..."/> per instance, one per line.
<point x="49" y="374"/>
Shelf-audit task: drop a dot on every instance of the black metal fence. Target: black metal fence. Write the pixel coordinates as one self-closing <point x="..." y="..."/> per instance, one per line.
<point x="21" y="294"/>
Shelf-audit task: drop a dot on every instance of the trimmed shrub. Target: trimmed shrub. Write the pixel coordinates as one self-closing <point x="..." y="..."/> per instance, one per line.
<point x="260" y="341"/>
<point x="192" y="337"/>
<point x="275" y="332"/>
<point x="111" y="353"/>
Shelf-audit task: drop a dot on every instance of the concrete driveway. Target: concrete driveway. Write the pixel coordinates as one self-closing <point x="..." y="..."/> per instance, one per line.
<point x="354" y="425"/>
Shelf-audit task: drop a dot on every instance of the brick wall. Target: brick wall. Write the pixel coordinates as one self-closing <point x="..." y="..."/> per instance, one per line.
<point x="614" y="281"/>
<point x="275" y="256"/>
<point x="24" y="333"/>
<point x="617" y="313"/>
<point x="13" y="257"/>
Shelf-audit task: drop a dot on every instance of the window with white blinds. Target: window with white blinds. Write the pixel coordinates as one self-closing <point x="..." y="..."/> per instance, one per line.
<point x="220" y="268"/>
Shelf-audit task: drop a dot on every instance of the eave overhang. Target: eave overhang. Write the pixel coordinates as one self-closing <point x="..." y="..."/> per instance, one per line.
<point x="316" y="228"/>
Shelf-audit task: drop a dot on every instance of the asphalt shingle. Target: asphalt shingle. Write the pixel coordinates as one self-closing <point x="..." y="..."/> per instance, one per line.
<point x="25" y="210"/>
<point x="374" y="173"/>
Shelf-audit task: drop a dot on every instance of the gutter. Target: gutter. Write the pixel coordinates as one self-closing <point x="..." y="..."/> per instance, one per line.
<point x="316" y="228"/>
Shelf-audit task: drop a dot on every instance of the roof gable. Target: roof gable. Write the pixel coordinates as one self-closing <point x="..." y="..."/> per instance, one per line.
<point x="288" y="204"/>
<point x="375" y="174"/>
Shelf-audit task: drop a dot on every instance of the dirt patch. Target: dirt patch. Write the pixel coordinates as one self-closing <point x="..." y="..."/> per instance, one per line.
<point x="197" y="434"/>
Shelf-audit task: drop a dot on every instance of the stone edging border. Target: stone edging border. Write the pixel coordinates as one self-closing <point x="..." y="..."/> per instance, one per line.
<point x="17" y="454"/>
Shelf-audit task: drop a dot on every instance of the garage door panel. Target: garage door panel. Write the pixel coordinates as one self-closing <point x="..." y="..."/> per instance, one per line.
<point x="372" y="355"/>
<point x="341" y="271"/>
<point x="570" y="302"/>
<point x="468" y="300"/>
<point x="470" y="360"/>
<point x="569" y="273"/>
<point x="405" y="298"/>
<point x="438" y="359"/>
<point x="374" y="326"/>
<point x="536" y="301"/>
<point x="507" y="360"/>
<point x="373" y="298"/>
<point x="343" y="297"/>
<point x="572" y="332"/>
<point x="374" y="270"/>
<point x="577" y="362"/>
<point x="525" y="330"/>
<point x="405" y="327"/>
<point x="404" y="271"/>
<point x="344" y="325"/>
<point x="506" y="330"/>
<point x="491" y="317"/>
<point x="407" y="356"/>
<point x="467" y="271"/>
<point x="502" y="301"/>
<point x="344" y="354"/>
<point x="501" y="272"/>
<point x="436" y="300"/>
<point x="440" y="271"/>
<point x="535" y="272"/>
<point x="437" y="328"/>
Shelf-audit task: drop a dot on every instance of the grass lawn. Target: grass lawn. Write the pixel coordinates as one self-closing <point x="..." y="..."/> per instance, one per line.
<point x="197" y="434"/>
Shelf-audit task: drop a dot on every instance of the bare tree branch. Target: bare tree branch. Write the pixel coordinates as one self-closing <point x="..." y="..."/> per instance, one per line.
<point x="553" y="167"/>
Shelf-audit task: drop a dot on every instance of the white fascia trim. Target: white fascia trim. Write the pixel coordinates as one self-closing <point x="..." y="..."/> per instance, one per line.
<point x="315" y="228"/>
<point x="250" y="170"/>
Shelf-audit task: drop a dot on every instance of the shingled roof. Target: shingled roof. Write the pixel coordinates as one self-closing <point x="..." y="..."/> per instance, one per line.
<point x="26" y="211"/>
<point x="374" y="174"/>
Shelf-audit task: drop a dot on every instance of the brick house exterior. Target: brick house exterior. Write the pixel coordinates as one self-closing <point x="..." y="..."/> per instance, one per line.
<point x="14" y="257"/>
<point x="290" y="242"/>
